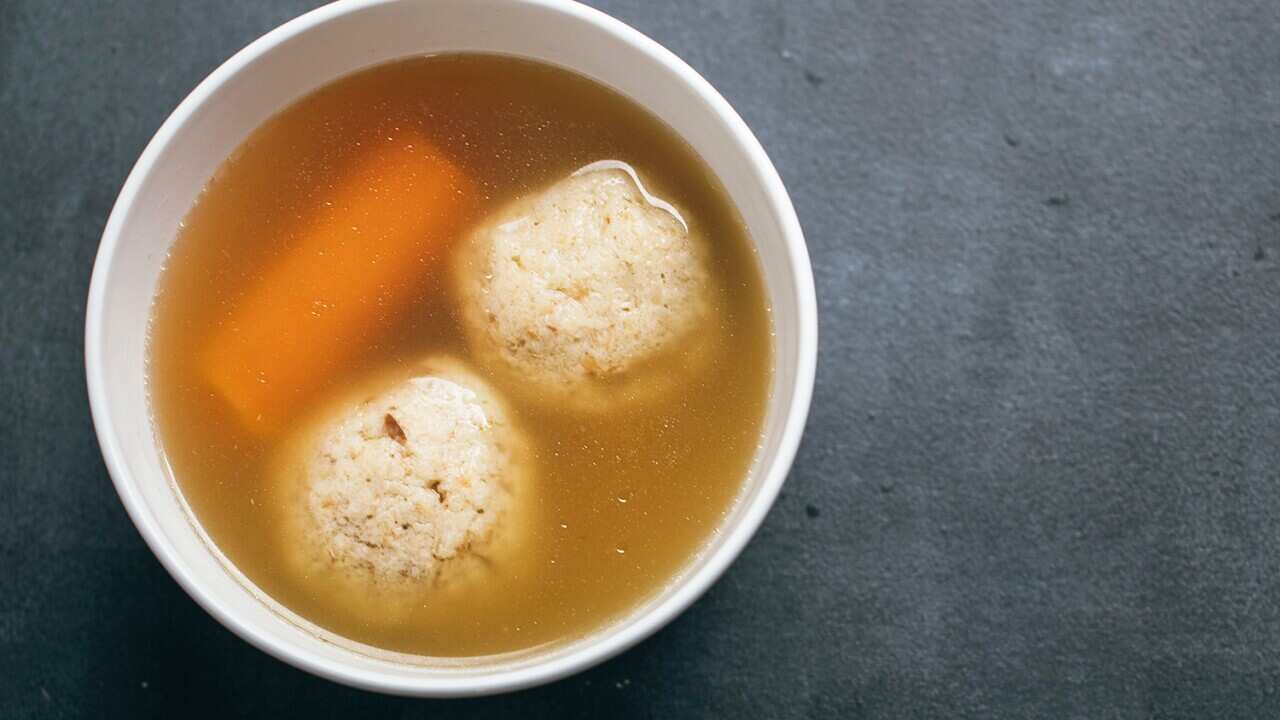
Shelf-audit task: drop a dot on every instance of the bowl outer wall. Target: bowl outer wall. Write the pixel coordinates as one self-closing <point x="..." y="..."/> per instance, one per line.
<point x="127" y="440"/>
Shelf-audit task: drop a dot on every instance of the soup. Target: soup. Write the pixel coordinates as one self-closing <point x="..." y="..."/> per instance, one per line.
<point x="347" y="276"/>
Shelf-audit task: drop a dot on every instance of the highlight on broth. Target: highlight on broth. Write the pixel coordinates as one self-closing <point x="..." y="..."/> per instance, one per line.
<point x="460" y="355"/>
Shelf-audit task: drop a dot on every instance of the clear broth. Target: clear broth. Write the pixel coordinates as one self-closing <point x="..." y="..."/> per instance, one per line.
<point x="625" y="498"/>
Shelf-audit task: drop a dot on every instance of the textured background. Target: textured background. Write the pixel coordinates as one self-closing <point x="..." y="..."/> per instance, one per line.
<point x="1040" y="476"/>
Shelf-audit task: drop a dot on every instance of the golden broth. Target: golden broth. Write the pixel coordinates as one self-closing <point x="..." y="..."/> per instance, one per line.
<point x="624" y="499"/>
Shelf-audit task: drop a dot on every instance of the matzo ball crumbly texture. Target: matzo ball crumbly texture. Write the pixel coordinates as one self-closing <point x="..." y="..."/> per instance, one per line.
<point x="412" y="480"/>
<point x="582" y="281"/>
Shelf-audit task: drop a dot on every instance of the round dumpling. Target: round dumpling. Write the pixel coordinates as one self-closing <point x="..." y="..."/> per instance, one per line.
<point x="409" y="483"/>
<point x="575" y="289"/>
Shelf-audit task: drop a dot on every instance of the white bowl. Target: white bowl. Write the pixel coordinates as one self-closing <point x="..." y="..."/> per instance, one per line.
<point x="297" y="58"/>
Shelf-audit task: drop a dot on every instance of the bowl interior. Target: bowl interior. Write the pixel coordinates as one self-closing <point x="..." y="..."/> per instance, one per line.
<point x="294" y="60"/>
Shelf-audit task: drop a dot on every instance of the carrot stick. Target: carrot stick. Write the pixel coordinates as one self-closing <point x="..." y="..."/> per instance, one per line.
<point x="374" y="235"/>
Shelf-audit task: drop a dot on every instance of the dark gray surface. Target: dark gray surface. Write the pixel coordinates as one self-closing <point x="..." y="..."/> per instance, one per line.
<point x="1040" y="476"/>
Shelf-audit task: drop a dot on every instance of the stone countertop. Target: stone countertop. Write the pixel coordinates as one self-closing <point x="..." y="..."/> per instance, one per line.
<point x="1040" y="477"/>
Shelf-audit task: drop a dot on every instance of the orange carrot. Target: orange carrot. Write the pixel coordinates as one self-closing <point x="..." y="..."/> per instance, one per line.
<point x="372" y="238"/>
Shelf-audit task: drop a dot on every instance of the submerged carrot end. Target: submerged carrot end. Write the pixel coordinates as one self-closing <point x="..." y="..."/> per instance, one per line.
<point x="357" y="259"/>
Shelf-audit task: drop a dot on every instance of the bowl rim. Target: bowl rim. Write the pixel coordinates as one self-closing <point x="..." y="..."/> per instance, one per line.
<point x="612" y="639"/>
